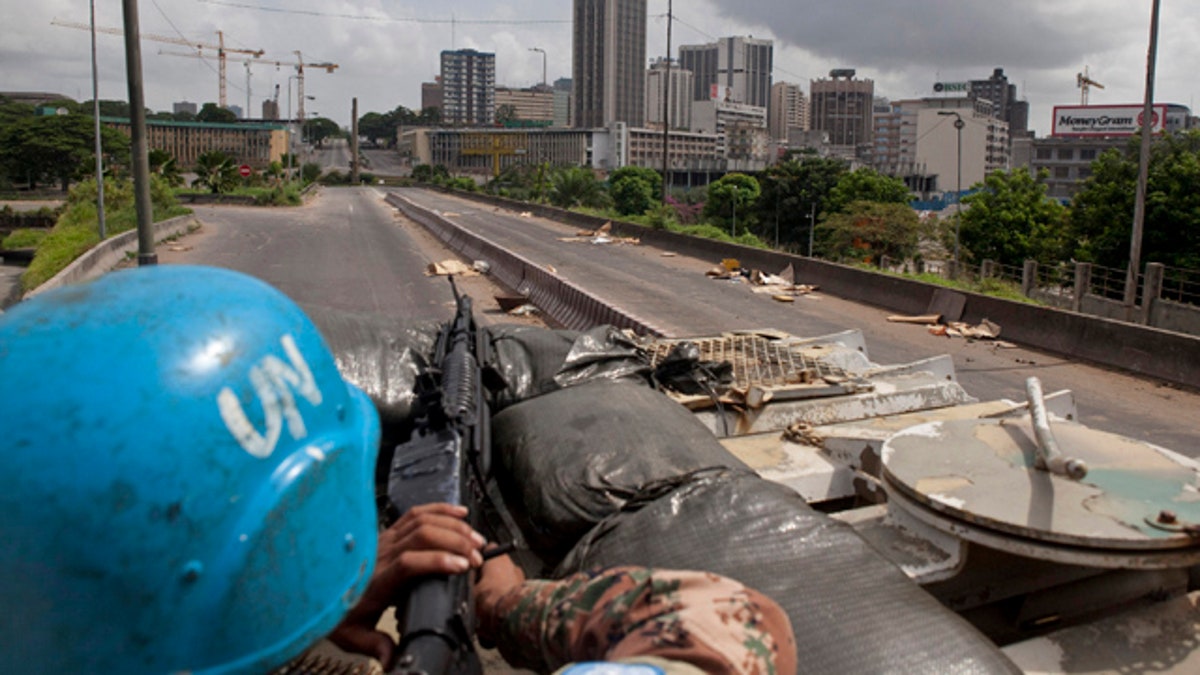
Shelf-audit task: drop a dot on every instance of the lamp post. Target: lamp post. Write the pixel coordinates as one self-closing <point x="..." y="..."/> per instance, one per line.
<point x="543" y="53"/>
<point x="958" y="127"/>
<point x="812" y="226"/>
<point x="1139" y="203"/>
<point x="96" y="120"/>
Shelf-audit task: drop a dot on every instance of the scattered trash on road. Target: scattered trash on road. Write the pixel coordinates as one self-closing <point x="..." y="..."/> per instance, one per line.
<point x="523" y="310"/>
<point x="782" y="287"/>
<point x="601" y="235"/>
<point x="481" y="266"/>
<point x="923" y="319"/>
<point x="450" y="267"/>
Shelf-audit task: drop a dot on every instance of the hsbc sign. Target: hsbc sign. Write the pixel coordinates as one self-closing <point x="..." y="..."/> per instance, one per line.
<point x="1117" y="120"/>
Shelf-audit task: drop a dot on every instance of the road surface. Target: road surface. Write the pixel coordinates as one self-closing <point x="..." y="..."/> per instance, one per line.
<point x="674" y="294"/>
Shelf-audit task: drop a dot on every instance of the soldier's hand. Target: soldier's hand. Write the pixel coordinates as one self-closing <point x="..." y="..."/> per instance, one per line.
<point x="428" y="539"/>
<point x="497" y="578"/>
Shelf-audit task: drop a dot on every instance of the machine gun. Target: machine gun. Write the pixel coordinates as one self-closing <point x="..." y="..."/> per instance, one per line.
<point x="447" y="459"/>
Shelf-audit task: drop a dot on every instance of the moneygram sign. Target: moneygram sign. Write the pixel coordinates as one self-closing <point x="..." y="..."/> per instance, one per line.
<point x="1113" y="120"/>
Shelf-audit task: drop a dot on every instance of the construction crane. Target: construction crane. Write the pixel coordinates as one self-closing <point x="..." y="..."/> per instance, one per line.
<point x="1084" y="82"/>
<point x="298" y="64"/>
<point x="220" y="47"/>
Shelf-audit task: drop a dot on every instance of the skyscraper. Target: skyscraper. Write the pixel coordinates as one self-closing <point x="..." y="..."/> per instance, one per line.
<point x="1003" y="95"/>
<point x="789" y="109"/>
<point x="738" y="67"/>
<point x="609" y="62"/>
<point x="842" y="106"/>
<point x="680" y="112"/>
<point x="468" y="88"/>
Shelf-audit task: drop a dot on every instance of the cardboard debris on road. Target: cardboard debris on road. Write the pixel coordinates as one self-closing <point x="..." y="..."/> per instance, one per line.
<point x="526" y="214"/>
<point x="669" y="254"/>
<point x="986" y="330"/>
<point x="450" y="267"/>
<point x="780" y="297"/>
<point x="508" y="303"/>
<point x="778" y="286"/>
<point x="523" y="310"/>
<point x="601" y="235"/>
<point x="923" y="319"/>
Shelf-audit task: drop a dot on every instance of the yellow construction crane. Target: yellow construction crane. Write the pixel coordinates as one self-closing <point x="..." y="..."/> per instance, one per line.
<point x="298" y="64"/>
<point x="1084" y="83"/>
<point x="220" y="47"/>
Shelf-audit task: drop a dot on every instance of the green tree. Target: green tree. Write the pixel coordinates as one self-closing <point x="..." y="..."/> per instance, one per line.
<point x="730" y="202"/>
<point x="505" y="114"/>
<point x="377" y="128"/>
<point x="320" y="128"/>
<point x="310" y="172"/>
<point x="634" y="189"/>
<point x="211" y="112"/>
<point x="429" y="117"/>
<point x="430" y="173"/>
<point x="576" y="186"/>
<point x="1101" y="220"/>
<point x="867" y="185"/>
<point x="1011" y="220"/>
<point x="164" y="164"/>
<point x="59" y="147"/>
<point x="792" y="192"/>
<point x="109" y="108"/>
<point x="216" y="171"/>
<point x="865" y="230"/>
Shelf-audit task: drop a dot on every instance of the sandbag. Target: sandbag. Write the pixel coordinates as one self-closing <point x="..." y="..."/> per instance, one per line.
<point x="570" y="458"/>
<point x="528" y="358"/>
<point x="851" y="610"/>
<point x="535" y="361"/>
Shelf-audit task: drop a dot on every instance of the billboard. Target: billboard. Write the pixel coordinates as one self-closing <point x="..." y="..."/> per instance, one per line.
<point x="1105" y="120"/>
<point x="951" y="87"/>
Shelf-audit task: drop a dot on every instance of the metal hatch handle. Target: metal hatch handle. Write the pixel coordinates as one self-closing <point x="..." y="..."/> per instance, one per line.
<point x="1050" y="457"/>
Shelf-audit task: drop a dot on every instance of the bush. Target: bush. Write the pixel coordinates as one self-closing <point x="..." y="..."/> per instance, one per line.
<point x="77" y="228"/>
<point x="23" y="239"/>
<point x="310" y="172"/>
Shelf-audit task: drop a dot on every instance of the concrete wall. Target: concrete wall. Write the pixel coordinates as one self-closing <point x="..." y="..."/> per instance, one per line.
<point x="1152" y="352"/>
<point x="110" y="252"/>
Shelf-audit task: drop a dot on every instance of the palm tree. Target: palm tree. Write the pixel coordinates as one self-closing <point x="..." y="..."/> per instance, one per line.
<point x="576" y="186"/>
<point x="215" y="170"/>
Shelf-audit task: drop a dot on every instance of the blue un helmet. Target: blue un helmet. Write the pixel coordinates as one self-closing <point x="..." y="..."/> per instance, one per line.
<point x="185" y="481"/>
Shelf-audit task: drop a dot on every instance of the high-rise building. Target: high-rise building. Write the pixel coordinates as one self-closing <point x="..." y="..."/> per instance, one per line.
<point x="525" y="105"/>
<point x="680" y="93"/>
<point x="468" y="88"/>
<point x="1004" y="97"/>
<point x="733" y="69"/>
<point x="788" y="110"/>
<point x="609" y="62"/>
<point x="183" y="107"/>
<point x="431" y="95"/>
<point x="842" y="106"/>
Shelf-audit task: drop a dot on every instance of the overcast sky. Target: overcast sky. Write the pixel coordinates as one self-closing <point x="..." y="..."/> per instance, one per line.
<point x="386" y="48"/>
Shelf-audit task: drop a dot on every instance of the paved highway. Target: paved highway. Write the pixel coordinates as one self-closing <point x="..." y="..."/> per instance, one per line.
<point x="674" y="294"/>
<point x="344" y="250"/>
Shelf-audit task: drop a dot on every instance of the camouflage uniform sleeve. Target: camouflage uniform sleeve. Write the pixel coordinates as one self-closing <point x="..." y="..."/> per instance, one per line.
<point x="712" y="622"/>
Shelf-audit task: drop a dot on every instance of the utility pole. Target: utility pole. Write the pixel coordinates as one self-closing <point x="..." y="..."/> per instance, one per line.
<point x="958" y="126"/>
<point x="96" y="119"/>
<point x="667" y="107"/>
<point x="1139" y="203"/>
<point x="812" y="225"/>
<point x="137" y="124"/>
<point x="543" y="53"/>
<point x="354" y="141"/>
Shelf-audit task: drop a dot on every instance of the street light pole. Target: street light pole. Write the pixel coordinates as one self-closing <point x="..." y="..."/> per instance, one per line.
<point x="1139" y="203"/>
<point x="812" y="225"/>
<point x="958" y="126"/>
<point x="96" y="127"/>
<point x="543" y="53"/>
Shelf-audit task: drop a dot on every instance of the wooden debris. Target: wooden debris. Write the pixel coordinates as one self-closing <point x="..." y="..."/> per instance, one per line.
<point x="924" y="319"/>
<point x="782" y="297"/>
<point x="450" y="267"/>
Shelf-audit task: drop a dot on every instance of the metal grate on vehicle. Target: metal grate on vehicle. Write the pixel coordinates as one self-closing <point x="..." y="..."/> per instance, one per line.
<point x="757" y="361"/>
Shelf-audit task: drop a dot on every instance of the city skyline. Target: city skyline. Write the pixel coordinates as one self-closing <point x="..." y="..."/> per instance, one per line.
<point x="383" y="60"/>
